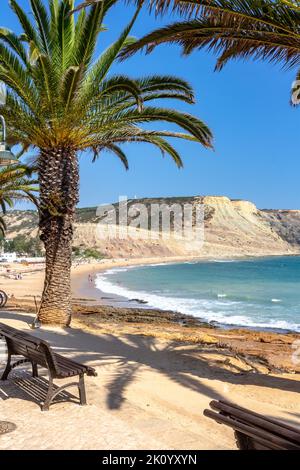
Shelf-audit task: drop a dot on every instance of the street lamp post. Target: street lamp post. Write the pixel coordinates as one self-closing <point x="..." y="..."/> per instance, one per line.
<point x="6" y="158"/>
<point x="6" y="155"/>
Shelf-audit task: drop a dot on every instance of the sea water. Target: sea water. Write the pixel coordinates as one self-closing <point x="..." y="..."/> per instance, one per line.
<point x="258" y="292"/>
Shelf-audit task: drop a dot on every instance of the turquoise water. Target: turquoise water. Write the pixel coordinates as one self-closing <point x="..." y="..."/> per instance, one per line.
<point x="261" y="293"/>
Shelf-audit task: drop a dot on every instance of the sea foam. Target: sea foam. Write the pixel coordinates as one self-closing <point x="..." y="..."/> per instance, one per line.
<point x="204" y="309"/>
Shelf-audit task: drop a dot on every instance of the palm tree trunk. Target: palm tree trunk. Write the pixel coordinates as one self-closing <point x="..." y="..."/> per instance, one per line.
<point x="59" y="181"/>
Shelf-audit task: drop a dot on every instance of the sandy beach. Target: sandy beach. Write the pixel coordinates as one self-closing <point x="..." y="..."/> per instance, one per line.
<point x="149" y="228"/>
<point x="133" y="349"/>
<point x="31" y="283"/>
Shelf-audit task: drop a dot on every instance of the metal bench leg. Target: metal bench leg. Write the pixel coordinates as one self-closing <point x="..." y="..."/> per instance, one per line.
<point x="243" y="441"/>
<point x="7" y="368"/>
<point x="35" y="372"/>
<point x="81" y="388"/>
<point x="47" y="402"/>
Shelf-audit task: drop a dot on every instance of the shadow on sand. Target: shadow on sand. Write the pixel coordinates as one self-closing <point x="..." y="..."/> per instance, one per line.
<point x="129" y="354"/>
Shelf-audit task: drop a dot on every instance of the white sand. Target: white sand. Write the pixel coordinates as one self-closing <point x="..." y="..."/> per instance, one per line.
<point x="149" y="394"/>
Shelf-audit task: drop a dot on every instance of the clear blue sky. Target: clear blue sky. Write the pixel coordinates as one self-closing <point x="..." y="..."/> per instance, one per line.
<point x="246" y="105"/>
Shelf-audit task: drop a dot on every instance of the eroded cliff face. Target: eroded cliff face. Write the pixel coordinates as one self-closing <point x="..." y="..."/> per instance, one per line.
<point x="231" y="228"/>
<point x="286" y="223"/>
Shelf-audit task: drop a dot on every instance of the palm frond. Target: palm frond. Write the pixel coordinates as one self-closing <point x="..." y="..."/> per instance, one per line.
<point x="15" y="43"/>
<point x="186" y="121"/>
<point x="86" y="37"/>
<point x="113" y="148"/>
<point x="121" y="83"/>
<point x="28" y="28"/>
<point x="43" y="23"/>
<point x="61" y="94"/>
<point x="102" y="66"/>
<point x="16" y="184"/>
<point x="262" y="29"/>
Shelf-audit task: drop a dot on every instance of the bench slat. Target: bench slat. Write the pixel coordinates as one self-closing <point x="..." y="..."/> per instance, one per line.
<point x="266" y="438"/>
<point x="247" y="416"/>
<point x="254" y="431"/>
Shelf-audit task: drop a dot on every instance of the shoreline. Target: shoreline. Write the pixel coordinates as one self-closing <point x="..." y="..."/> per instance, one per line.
<point x="85" y="290"/>
<point x="261" y="350"/>
<point x="87" y="293"/>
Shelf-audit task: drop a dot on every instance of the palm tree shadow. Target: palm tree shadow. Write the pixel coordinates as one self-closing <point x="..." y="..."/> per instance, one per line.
<point x="179" y="362"/>
<point x="117" y="387"/>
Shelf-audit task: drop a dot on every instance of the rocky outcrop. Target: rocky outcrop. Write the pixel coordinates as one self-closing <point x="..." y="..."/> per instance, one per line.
<point x="286" y="223"/>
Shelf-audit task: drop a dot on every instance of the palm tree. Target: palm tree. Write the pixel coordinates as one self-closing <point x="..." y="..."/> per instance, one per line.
<point x="16" y="185"/>
<point x="260" y="29"/>
<point x="63" y="100"/>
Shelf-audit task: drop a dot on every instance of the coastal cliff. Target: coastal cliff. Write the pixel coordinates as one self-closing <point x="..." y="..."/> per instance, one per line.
<point x="231" y="228"/>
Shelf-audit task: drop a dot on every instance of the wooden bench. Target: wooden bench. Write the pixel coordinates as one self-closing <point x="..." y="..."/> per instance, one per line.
<point x="39" y="353"/>
<point x="254" y="431"/>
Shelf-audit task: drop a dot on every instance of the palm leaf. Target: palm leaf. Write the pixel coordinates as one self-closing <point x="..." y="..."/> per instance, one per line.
<point x="42" y="20"/>
<point x="28" y="28"/>
<point x="240" y="28"/>
<point x="14" y="42"/>
<point x="16" y="184"/>
<point x="64" y="95"/>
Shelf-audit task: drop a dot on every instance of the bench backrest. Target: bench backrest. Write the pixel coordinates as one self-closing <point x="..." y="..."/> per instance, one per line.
<point x="29" y="346"/>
